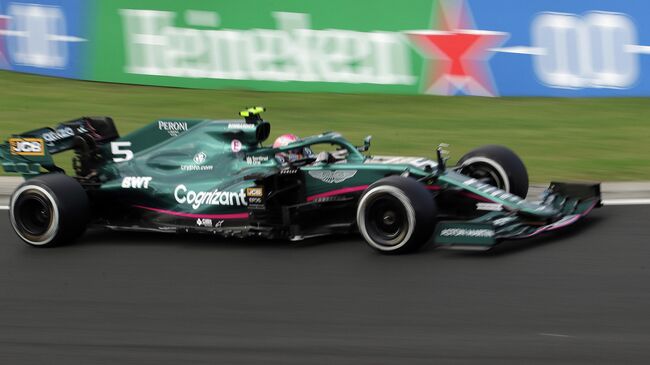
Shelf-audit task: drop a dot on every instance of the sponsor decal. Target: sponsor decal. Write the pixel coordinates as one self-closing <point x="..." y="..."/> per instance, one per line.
<point x="494" y="207"/>
<point x="156" y="44"/>
<point x="216" y="197"/>
<point x="457" y="53"/>
<point x="235" y="145"/>
<point x="198" y="159"/>
<point x="136" y="182"/>
<point x="255" y="197"/>
<point x="37" y="35"/>
<point x="256" y="160"/>
<point x="332" y="177"/>
<point x="204" y="222"/>
<point x="255" y="192"/>
<point x="241" y="126"/>
<point x="493" y="191"/>
<point x="27" y="146"/>
<point x="208" y="223"/>
<point x="467" y="232"/>
<point x="172" y="128"/>
<point x="57" y="135"/>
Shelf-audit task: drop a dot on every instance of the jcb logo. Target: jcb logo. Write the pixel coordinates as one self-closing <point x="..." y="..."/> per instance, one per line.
<point x="255" y="192"/>
<point x="27" y="146"/>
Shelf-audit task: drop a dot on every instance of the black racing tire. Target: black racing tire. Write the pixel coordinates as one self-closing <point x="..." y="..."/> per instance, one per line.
<point x="498" y="166"/>
<point x="49" y="210"/>
<point x="396" y="215"/>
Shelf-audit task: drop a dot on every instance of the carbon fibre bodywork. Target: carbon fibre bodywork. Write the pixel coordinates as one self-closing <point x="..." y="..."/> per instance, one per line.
<point x="215" y="176"/>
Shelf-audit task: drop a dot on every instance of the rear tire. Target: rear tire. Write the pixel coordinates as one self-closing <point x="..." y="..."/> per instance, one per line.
<point x="396" y="215"/>
<point x="49" y="210"/>
<point x="498" y="166"/>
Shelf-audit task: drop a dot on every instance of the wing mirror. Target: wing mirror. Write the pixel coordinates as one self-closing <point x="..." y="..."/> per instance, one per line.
<point x="443" y="155"/>
<point x="366" y="144"/>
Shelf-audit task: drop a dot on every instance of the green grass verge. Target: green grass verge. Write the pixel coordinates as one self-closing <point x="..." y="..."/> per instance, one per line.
<point x="577" y="139"/>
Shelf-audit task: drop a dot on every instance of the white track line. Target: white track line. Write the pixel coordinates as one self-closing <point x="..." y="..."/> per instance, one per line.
<point x="626" y="201"/>
<point x="605" y="202"/>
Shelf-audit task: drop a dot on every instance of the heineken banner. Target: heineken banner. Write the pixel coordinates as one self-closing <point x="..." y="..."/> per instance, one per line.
<point x="441" y="47"/>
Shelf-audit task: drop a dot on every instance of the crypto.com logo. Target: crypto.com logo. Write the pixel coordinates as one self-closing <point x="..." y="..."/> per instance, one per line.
<point x="35" y="35"/>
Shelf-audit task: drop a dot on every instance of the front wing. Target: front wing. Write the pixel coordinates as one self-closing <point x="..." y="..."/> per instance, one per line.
<point x="570" y="201"/>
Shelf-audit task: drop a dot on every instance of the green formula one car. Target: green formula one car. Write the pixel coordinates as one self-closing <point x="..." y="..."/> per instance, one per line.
<point x="216" y="176"/>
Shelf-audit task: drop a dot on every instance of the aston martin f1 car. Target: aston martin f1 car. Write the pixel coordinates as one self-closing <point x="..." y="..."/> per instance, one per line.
<point x="217" y="177"/>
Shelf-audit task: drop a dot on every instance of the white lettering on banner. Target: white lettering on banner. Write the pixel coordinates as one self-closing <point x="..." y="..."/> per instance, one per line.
<point x="37" y="35"/>
<point x="293" y="52"/>
<point x="588" y="51"/>
<point x="215" y="197"/>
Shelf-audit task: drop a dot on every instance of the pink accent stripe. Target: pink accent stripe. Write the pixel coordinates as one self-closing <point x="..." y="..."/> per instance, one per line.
<point x="433" y="187"/>
<point x="337" y="192"/>
<point x="477" y="197"/>
<point x="551" y="227"/>
<point x="192" y="215"/>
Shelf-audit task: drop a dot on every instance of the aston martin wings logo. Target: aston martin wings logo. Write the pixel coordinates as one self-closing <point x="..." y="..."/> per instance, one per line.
<point x="332" y="177"/>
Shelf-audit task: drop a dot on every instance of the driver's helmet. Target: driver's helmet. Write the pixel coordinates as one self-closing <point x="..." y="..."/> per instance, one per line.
<point x="291" y="155"/>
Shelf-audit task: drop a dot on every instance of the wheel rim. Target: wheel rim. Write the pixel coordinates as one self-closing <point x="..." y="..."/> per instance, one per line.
<point x="34" y="215"/>
<point x="386" y="220"/>
<point x="485" y="173"/>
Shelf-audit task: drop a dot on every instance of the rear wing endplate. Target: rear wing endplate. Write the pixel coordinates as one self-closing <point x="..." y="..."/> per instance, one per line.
<point x="26" y="153"/>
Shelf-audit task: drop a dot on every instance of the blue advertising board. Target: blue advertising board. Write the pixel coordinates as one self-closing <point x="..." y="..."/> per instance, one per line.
<point x="571" y="48"/>
<point x="46" y="37"/>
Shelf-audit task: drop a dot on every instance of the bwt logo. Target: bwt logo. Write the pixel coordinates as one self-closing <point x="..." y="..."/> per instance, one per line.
<point x="36" y="35"/>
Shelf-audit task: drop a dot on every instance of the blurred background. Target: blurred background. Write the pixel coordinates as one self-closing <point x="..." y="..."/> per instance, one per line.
<point x="564" y="84"/>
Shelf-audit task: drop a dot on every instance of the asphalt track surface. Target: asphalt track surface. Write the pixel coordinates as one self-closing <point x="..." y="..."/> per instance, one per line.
<point x="578" y="297"/>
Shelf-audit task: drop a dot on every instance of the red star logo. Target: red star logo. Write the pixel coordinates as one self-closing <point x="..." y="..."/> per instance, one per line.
<point x="3" y="26"/>
<point x="458" y="53"/>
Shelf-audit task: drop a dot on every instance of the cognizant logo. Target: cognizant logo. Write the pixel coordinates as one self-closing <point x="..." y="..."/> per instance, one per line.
<point x="215" y="197"/>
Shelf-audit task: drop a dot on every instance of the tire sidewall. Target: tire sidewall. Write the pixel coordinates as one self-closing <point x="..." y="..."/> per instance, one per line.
<point x="70" y="208"/>
<point x="505" y="162"/>
<point x="420" y="212"/>
<point x="406" y="203"/>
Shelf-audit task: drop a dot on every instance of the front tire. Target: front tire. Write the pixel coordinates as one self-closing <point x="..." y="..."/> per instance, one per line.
<point x="396" y="215"/>
<point x="49" y="210"/>
<point x="498" y="166"/>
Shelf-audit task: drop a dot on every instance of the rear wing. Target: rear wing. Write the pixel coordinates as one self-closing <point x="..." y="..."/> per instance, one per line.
<point x="26" y="153"/>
